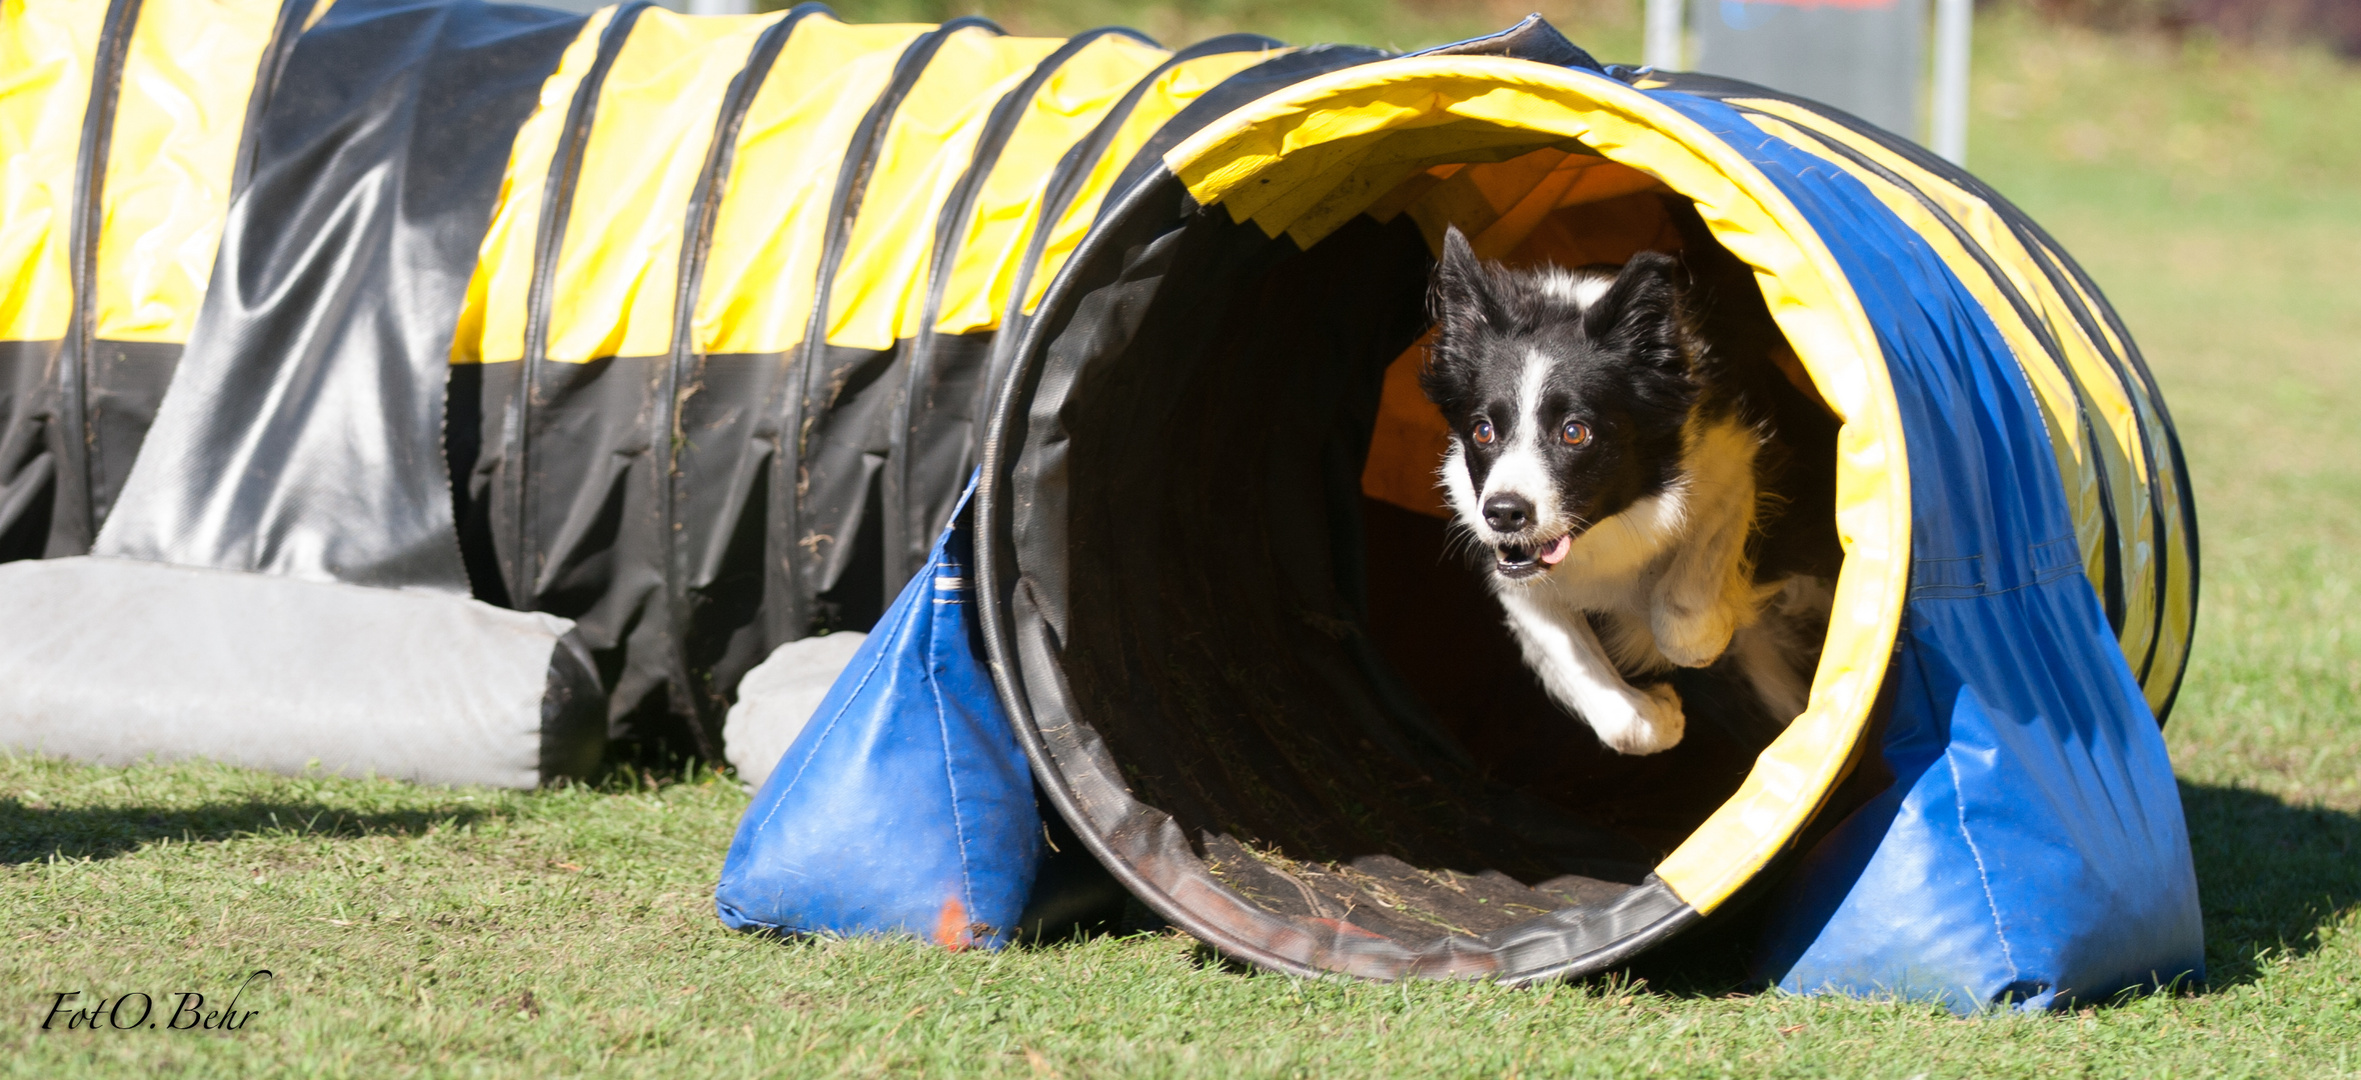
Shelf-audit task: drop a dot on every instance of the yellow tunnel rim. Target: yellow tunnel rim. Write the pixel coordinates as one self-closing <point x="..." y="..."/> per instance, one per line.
<point x="1357" y="108"/>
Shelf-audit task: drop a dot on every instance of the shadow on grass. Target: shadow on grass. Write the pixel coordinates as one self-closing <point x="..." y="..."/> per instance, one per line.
<point x="2272" y="877"/>
<point x="33" y="834"/>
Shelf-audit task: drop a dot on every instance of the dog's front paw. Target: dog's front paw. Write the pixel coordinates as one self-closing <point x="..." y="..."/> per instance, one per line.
<point x="1649" y="721"/>
<point x="1693" y="639"/>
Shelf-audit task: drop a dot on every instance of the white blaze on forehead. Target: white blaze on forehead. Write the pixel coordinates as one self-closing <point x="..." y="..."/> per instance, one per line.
<point x="1531" y="384"/>
<point x="1522" y="469"/>
<point x="1580" y="290"/>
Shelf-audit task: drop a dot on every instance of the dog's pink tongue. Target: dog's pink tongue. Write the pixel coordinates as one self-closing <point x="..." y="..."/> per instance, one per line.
<point x="1555" y="553"/>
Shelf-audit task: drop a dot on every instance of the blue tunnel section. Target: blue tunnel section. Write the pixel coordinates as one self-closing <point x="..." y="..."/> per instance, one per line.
<point x="2031" y="848"/>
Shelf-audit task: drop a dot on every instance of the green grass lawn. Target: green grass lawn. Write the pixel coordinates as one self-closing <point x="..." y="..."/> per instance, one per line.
<point x="456" y="932"/>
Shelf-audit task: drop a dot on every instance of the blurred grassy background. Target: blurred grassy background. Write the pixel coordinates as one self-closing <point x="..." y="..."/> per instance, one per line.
<point x="2211" y="189"/>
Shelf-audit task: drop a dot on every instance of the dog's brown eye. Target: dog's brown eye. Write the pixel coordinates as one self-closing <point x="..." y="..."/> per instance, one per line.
<point x="1577" y="433"/>
<point x="1483" y="432"/>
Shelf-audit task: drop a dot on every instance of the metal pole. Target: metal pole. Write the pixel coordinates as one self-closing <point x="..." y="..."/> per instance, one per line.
<point x="1662" y="48"/>
<point x="1954" y="23"/>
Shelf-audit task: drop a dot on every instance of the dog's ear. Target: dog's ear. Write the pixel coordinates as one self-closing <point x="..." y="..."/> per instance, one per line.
<point x="1464" y="308"/>
<point x="1462" y="293"/>
<point x="1640" y="315"/>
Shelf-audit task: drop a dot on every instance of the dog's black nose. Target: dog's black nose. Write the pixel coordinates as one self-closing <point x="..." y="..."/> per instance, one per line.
<point x="1508" y="513"/>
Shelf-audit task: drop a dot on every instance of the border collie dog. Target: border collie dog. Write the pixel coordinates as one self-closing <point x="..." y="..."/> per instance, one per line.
<point x="1621" y="451"/>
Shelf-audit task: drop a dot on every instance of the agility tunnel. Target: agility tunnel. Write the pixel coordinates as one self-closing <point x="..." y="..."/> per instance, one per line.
<point x="461" y="391"/>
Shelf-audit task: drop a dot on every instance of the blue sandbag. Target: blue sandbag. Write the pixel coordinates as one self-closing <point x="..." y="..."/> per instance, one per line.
<point x="906" y="805"/>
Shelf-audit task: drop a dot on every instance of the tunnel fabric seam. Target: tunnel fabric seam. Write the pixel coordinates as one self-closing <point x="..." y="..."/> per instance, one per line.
<point x="1983" y="875"/>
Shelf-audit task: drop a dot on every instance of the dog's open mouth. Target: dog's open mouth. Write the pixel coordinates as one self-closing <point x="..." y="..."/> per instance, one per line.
<point x="1525" y="560"/>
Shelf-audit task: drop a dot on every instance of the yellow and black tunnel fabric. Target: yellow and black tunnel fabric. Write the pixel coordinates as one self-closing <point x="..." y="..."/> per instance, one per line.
<point x="716" y="298"/>
<point x="123" y="139"/>
<point x="691" y="329"/>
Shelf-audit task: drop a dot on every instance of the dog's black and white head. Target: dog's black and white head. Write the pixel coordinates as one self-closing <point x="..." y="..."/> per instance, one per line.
<point x="1567" y="393"/>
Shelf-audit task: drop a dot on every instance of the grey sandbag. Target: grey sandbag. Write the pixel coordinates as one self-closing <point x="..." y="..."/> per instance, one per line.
<point x="778" y="697"/>
<point x="117" y="660"/>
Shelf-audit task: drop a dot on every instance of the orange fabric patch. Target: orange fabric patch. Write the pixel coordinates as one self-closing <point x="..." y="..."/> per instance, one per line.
<point x="951" y="929"/>
<point x="1410" y="440"/>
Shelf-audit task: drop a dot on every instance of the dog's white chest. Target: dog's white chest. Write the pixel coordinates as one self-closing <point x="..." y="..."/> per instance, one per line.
<point x="1618" y="591"/>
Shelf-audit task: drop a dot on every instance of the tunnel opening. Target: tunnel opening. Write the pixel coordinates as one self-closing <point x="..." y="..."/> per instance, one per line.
<point x="1234" y="556"/>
